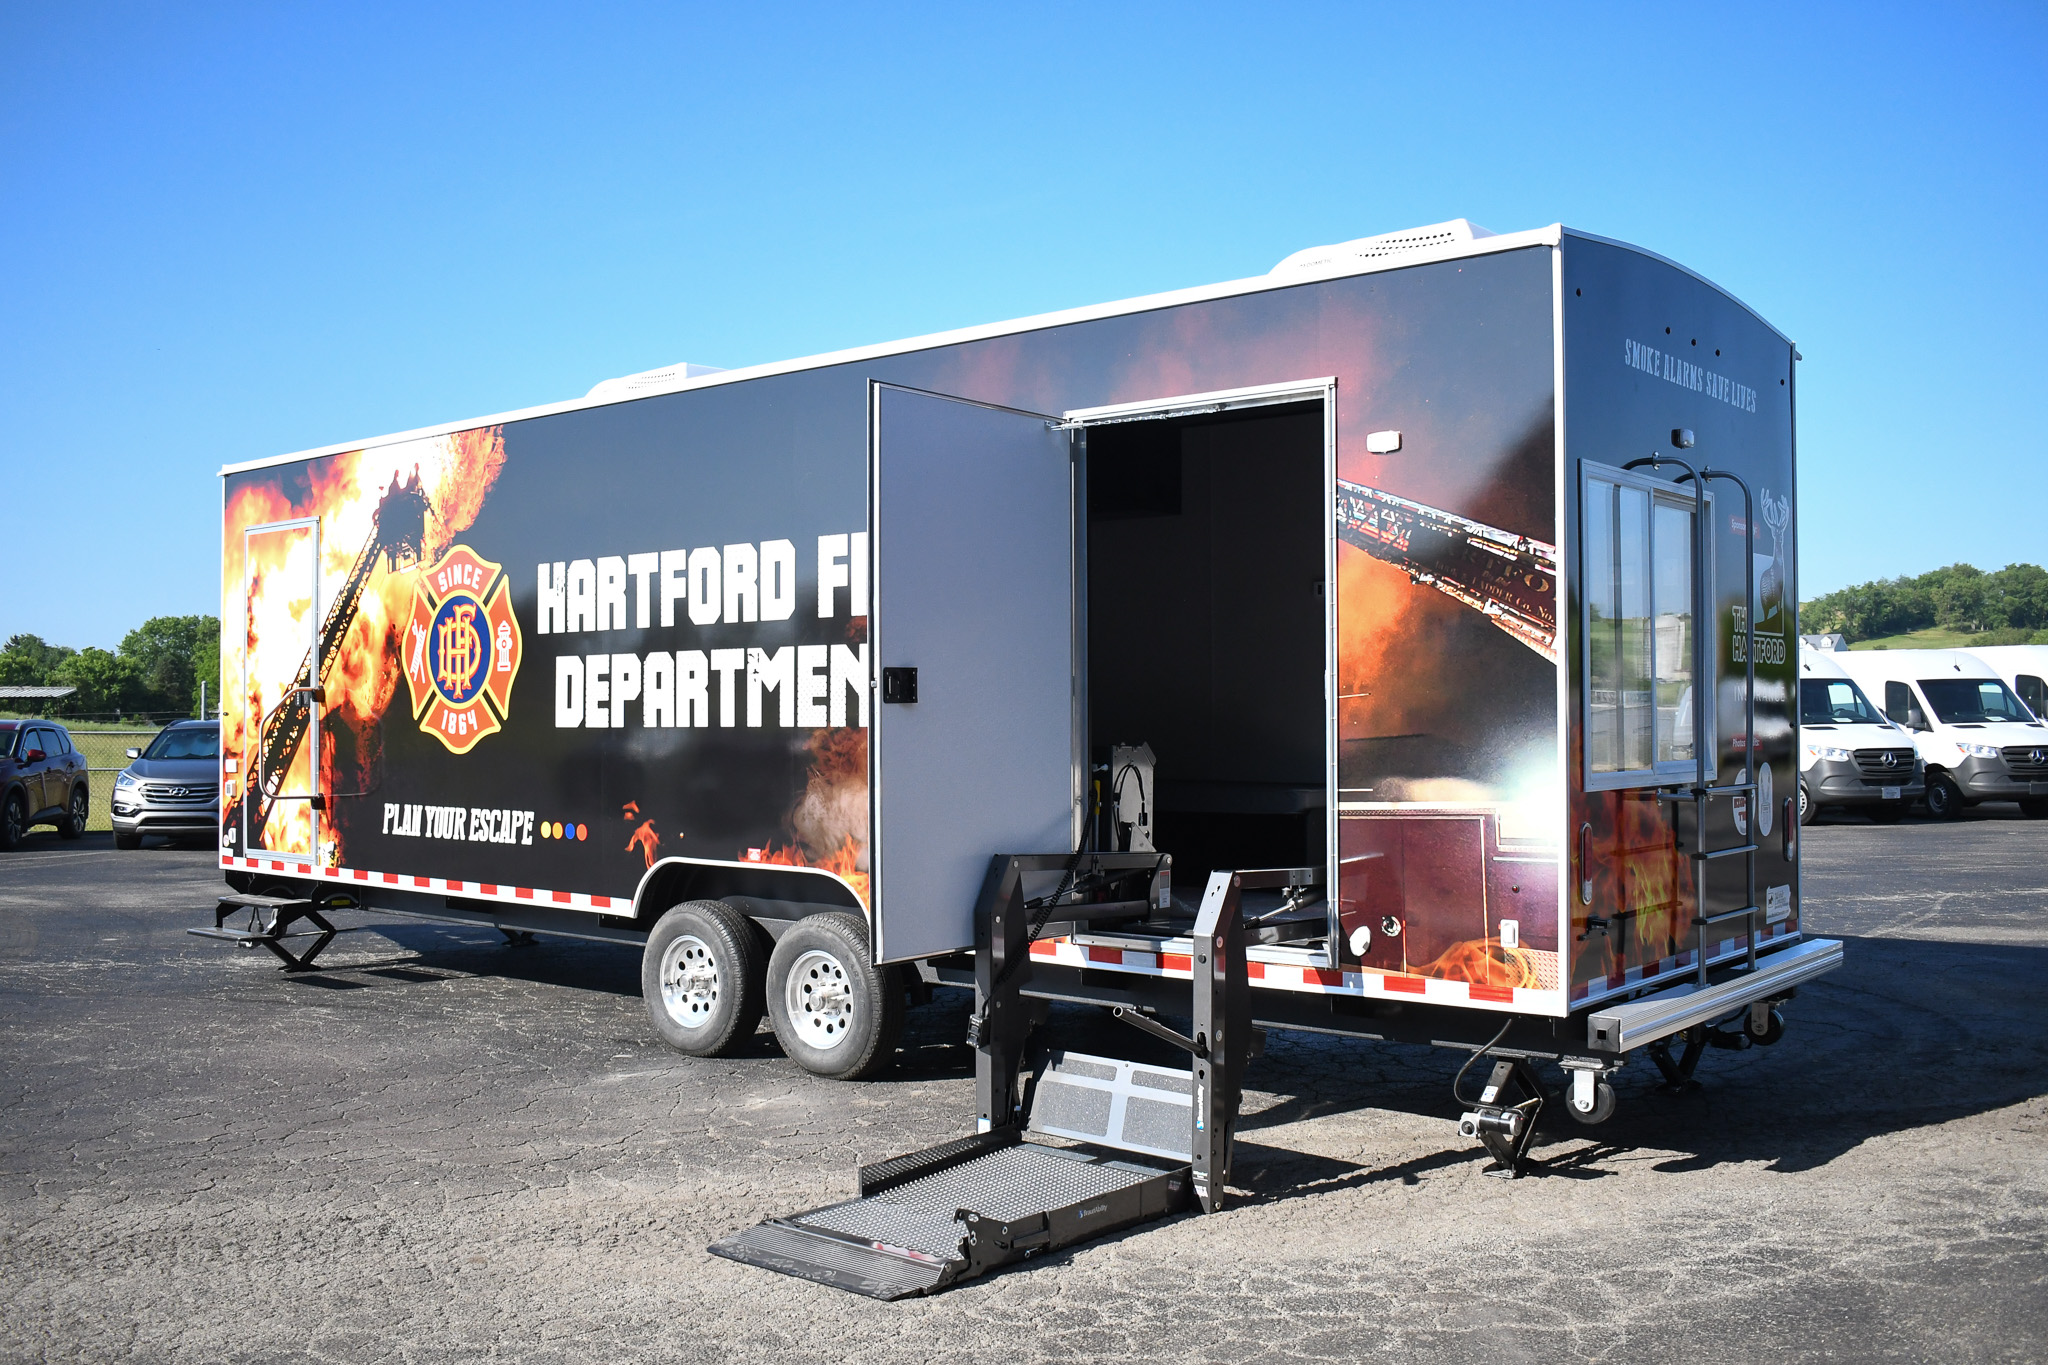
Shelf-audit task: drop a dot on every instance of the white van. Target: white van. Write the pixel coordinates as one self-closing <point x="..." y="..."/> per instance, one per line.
<point x="1978" y="740"/>
<point x="1850" y="755"/>
<point x="2024" y="669"/>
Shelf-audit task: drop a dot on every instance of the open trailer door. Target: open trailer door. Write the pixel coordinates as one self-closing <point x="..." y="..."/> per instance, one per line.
<point x="973" y="748"/>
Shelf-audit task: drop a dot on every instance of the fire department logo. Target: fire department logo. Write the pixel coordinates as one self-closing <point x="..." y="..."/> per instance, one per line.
<point x="462" y="647"/>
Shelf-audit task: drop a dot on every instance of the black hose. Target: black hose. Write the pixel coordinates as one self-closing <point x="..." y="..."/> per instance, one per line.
<point x="1458" y="1081"/>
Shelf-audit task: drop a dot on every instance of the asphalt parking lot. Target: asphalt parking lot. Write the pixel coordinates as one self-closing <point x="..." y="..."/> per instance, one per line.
<point x="443" y="1148"/>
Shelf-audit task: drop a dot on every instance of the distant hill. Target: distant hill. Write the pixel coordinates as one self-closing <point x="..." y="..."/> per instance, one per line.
<point x="1949" y="608"/>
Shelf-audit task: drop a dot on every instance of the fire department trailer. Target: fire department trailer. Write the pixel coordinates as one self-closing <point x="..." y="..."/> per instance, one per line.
<point x="1393" y="645"/>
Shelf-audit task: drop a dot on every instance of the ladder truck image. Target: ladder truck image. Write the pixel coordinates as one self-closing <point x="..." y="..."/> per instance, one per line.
<point x="396" y="533"/>
<point x="1383" y="646"/>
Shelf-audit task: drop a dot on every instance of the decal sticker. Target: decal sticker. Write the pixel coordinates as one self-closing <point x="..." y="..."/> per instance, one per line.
<point x="462" y="649"/>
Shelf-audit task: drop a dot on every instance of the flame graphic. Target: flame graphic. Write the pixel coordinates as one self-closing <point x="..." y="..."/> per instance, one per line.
<point x="644" y="836"/>
<point x="830" y="819"/>
<point x="1485" y="962"/>
<point x="849" y="860"/>
<point x="1635" y="867"/>
<point x="282" y="596"/>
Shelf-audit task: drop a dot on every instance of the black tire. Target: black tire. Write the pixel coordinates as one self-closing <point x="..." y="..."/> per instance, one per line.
<point x="701" y="977"/>
<point x="1808" y="810"/>
<point x="1888" y="812"/>
<point x="835" y="1013"/>
<point x="1603" y="1105"/>
<point x="127" y="838"/>
<point x="2035" y="809"/>
<point x="13" y="822"/>
<point x="1773" y="1030"/>
<point x="1944" y="797"/>
<point x="72" y="826"/>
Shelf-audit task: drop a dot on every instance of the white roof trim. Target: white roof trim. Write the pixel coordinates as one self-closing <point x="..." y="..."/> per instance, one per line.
<point x="1485" y="246"/>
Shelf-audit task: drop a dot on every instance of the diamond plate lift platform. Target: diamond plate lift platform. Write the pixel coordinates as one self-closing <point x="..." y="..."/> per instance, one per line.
<point x="1154" y="1140"/>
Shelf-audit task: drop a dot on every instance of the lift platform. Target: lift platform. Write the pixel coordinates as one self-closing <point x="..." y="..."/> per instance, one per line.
<point x="1147" y="1141"/>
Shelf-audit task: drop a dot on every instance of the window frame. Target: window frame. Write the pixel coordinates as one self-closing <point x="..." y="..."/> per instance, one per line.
<point x="1671" y="772"/>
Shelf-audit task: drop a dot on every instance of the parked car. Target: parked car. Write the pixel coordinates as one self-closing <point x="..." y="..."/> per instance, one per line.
<point x="42" y="781"/>
<point x="172" y="787"/>
<point x="1852" y="755"/>
<point x="1978" y="739"/>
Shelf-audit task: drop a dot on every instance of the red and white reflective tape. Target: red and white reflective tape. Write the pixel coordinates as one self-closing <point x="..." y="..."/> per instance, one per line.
<point x="1289" y="976"/>
<point x="528" y="895"/>
<point x="1720" y="951"/>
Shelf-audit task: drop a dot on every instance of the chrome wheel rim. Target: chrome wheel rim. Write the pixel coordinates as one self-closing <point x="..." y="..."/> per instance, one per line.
<point x="689" y="981"/>
<point x="819" y="998"/>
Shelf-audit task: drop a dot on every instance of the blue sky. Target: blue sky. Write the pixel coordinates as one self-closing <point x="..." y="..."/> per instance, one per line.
<point x="231" y="231"/>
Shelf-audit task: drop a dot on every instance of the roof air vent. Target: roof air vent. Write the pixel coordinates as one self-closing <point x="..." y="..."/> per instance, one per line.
<point x="648" y="381"/>
<point x="1361" y="250"/>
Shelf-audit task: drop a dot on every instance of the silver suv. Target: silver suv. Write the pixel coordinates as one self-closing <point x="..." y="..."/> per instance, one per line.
<point x="172" y="787"/>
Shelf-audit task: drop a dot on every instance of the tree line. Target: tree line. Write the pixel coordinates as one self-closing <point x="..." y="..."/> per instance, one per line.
<point x="156" y="671"/>
<point x="2007" y="607"/>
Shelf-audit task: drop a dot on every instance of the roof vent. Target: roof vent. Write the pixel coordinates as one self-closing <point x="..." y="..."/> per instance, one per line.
<point x="627" y="385"/>
<point x="1363" y="249"/>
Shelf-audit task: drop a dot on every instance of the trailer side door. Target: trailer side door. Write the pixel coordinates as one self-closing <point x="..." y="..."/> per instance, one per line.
<point x="276" y="810"/>
<point x="971" y="538"/>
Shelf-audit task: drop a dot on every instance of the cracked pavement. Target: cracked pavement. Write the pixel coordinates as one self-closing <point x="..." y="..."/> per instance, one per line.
<point x="444" y="1148"/>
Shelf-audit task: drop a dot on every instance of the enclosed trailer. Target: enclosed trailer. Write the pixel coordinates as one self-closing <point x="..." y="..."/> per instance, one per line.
<point x="1414" y="620"/>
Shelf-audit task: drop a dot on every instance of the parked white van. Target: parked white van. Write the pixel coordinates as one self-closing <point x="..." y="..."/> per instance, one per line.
<point x="1977" y="738"/>
<point x="1850" y="755"/>
<point x="2024" y="669"/>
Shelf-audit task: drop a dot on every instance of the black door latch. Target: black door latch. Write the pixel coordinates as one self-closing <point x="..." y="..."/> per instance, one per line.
<point x="899" y="684"/>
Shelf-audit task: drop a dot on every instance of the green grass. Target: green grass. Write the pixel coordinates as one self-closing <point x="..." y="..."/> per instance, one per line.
<point x="1934" y="637"/>
<point x="1940" y="637"/>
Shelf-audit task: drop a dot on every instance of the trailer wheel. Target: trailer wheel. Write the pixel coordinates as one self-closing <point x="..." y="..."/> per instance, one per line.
<point x="1944" y="797"/>
<point x="1603" y="1104"/>
<point x="835" y="1013"/>
<point x="701" y="977"/>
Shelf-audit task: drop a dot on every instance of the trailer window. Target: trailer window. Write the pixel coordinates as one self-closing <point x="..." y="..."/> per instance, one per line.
<point x="1639" y="630"/>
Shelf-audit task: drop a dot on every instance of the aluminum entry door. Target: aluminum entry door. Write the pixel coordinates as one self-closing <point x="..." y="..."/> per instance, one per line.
<point x="971" y="533"/>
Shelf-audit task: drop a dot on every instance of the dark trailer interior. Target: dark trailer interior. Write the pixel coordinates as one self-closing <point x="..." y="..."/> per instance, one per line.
<point x="1207" y="634"/>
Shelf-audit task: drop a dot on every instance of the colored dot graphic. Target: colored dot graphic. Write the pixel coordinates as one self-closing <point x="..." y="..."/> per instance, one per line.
<point x="556" y="829"/>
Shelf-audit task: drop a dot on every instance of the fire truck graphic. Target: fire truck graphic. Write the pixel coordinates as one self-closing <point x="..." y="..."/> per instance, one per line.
<point x="462" y="647"/>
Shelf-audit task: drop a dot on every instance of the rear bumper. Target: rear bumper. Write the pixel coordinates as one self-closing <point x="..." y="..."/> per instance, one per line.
<point x="1620" y="1028"/>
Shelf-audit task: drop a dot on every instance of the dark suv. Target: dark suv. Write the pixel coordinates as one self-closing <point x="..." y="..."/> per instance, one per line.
<point x="172" y="787"/>
<point x="42" y="781"/>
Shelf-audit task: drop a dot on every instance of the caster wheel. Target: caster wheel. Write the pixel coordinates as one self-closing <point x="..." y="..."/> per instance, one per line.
<point x="1771" y="1032"/>
<point x="1603" y="1104"/>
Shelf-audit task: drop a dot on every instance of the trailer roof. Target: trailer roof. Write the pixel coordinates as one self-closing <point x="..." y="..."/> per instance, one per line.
<point x="1285" y="276"/>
